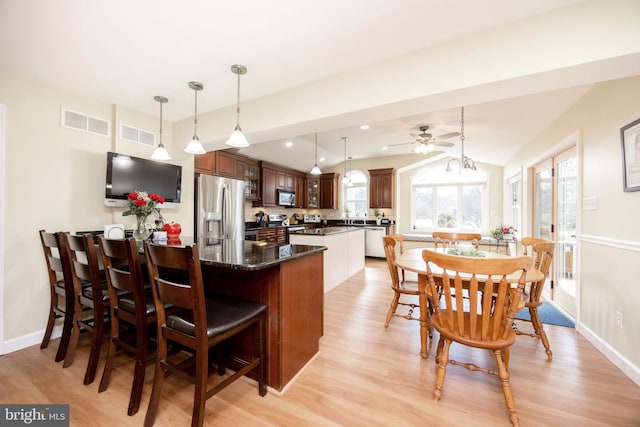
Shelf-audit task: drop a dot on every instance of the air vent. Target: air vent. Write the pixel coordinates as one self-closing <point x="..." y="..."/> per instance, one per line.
<point x="80" y="121"/>
<point x="134" y="134"/>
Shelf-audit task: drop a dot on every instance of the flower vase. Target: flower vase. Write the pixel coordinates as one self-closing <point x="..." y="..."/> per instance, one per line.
<point x="142" y="230"/>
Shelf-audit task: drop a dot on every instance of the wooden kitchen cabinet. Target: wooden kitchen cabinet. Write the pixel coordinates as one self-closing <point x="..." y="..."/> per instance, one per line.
<point x="249" y="171"/>
<point x="329" y="191"/>
<point x="381" y="188"/>
<point x="218" y="163"/>
<point x="273" y="235"/>
<point x="269" y="186"/>
<point x="313" y="193"/>
<point x="301" y="191"/>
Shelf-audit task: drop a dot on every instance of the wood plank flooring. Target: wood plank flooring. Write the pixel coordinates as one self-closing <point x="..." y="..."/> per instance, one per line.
<point x="363" y="376"/>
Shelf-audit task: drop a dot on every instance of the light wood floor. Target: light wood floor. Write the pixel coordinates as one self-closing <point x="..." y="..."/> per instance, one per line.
<point x="363" y="376"/>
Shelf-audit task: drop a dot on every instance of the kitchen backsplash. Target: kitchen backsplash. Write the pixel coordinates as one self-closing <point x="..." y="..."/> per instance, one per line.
<point x="250" y="213"/>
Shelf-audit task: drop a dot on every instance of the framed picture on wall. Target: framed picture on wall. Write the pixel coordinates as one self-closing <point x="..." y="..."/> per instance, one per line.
<point x="630" y="138"/>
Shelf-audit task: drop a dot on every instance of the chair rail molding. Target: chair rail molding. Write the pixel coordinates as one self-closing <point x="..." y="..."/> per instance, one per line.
<point x="627" y="245"/>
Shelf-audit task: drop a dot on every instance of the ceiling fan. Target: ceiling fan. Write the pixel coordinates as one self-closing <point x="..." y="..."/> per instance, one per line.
<point x="426" y="141"/>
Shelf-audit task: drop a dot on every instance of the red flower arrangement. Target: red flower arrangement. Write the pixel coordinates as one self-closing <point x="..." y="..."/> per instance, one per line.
<point x="141" y="203"/>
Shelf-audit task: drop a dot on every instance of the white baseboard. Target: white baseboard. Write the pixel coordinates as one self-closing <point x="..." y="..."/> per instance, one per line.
<point x="621" y="362"/>
<point x="29" y="340"/>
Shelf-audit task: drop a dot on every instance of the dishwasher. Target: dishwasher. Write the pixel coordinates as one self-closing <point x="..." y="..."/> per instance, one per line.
<point x="373" y="245"/>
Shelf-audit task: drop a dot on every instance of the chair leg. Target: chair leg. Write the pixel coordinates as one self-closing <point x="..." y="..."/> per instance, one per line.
<point x="158" y="381"/>
<point x="108" y="365"/>
<point x="67" y="328"/>
<point x="50" y="323"/>
<point x="75" y="335"/>
<point x="539" y="329"/>
<point x="139" y="370"/>
<point x="503" y="373"/>
<point x="443" y="360"/>
<point x="392" y="309"/>
<point x="96" y="345"/>
<point x="200" y="393"/>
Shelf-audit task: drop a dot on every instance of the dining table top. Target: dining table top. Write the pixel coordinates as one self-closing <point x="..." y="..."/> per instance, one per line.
<point x="411" y="260"/>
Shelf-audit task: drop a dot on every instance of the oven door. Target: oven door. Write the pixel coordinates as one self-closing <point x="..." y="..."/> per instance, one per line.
<point x="251" y="235"/>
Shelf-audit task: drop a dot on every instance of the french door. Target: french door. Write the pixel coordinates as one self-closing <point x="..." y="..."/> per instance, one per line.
<point x="554" y="218"/>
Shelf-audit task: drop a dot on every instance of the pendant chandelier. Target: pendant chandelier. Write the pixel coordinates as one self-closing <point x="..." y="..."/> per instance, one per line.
<point x="316" y="169"/>
<point x="345" y="179"/>
<point x="465" y="164"/>
<point x="194" y="146"/>
<point x="160" y="152"/>
<point x="237" y="138"/>
<point x="349" y="183"/>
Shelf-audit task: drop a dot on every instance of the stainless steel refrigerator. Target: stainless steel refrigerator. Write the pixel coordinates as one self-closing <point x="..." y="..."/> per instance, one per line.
<point x="219" y="210"/>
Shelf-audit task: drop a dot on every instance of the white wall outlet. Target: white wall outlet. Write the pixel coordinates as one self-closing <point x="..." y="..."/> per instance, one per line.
<point x="619" y="319"/>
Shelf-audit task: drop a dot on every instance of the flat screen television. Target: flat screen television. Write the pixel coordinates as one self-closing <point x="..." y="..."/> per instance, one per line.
<point x="127" y="174"/>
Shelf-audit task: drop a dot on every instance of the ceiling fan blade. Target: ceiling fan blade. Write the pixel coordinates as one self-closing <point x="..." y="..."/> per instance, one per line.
<point x="402" y="143"/>
<point x="443" y="144"/>
<point x="447" y="135"/>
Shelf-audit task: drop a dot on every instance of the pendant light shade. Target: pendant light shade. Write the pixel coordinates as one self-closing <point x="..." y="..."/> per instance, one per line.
<point x="160" y="152"/>
<point x="316" y="169"/>
<point x="195" y="146"/>
<point x="237" y="138"/>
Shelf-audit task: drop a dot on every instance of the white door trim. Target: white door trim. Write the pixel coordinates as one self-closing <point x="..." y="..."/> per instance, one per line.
<point x="2" y="227"/>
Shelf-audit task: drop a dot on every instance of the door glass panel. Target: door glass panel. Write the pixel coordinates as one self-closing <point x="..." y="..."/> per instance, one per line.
<point x="543" y="204"/>
<point x="566" y="231"/>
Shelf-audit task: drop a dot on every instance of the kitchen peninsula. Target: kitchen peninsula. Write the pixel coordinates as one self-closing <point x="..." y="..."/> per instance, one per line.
<point x="285" y="277"/>
<point x="345" y="251"/>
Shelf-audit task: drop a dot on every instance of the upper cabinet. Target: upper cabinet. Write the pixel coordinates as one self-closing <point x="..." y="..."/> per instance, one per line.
<point x="218" y="163"/>
<point x="249" y="171"/>
<point x="313" y="192"/>
<point x="329" y="191"/>
<point x="381" y="188"/>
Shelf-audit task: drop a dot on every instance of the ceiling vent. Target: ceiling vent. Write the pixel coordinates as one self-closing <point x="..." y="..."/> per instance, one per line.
<point x="134" y="134"/>
<point x="80" y="121"/>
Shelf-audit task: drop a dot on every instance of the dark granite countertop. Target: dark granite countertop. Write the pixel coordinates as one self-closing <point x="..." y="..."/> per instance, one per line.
<point x="249" y="255"/>
<point x="327" y="230"/>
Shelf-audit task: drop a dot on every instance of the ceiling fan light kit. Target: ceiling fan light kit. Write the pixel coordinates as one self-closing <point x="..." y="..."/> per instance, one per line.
<point x="425" y="142"/>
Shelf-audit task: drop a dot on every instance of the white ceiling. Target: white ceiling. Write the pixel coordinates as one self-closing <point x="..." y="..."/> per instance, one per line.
<point x="124" y="52"/>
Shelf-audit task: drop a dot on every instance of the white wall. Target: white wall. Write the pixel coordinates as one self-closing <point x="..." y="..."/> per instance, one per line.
<point x="608" y="237"/>
<point x="55" y="181"/>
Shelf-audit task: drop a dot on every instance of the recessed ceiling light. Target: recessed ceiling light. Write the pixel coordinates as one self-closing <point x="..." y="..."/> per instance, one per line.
<point x="322" y="159"/>
<point x="288" y="144"/>
<point x="385" y="148"/>
<point x="364" y="127"/>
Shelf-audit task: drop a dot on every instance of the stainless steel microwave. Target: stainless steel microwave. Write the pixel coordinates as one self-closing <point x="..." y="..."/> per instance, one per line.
<point x="286" y="198"/>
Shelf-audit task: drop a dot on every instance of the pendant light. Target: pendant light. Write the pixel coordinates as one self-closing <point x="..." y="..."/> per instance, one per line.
<point x="316" y="169"/>
<point x="465" y="164"/>
<point x="237" y="138"/>
<point x="345" y="179"/>
<point x="349" y="183"/>
<point x="160" y="152"/>
<point x="195" y="146"/>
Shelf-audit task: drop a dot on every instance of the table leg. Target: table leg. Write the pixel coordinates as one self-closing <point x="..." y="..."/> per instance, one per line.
<point x="424" y="316"/>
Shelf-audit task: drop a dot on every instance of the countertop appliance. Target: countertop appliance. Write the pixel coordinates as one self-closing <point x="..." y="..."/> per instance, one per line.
<point x="219" y="210"/>
<point x="373" y="244"/>
<point x="312" y="218"/>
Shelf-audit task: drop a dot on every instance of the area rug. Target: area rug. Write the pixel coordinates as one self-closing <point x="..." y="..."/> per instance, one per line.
<point x="549" y="314"/>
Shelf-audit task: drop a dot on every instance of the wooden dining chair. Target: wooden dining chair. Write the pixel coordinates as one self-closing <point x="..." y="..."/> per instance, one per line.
<point x="56" y="256"/>
<point x="202" y="323"/>
<point x="392" y="242"/>
<point x="542" y="252"/>
<point x="446" y="239"/>
<point x="484" y="319"/>
<point x="132" y="312"/>
<point x="91" y="311"/>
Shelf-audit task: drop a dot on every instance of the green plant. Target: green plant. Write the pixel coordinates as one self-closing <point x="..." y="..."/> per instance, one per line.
<point x="377" y="212"/>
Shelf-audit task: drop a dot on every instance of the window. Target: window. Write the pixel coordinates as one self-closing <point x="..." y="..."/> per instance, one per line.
<point x="355" y="193"/>
<point x="513" y="201"/>
<point x="449" y="201"/>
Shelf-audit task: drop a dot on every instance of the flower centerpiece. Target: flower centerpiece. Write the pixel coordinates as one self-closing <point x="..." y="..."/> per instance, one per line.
<point x="142" y="204"/>
<point x="499" y="233"/>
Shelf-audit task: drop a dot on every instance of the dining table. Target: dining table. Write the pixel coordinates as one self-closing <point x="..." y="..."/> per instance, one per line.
<point x="411" y="260"/>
